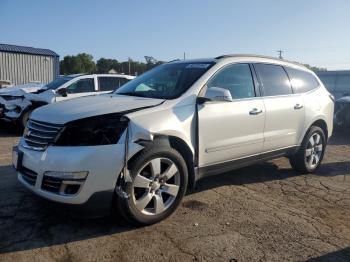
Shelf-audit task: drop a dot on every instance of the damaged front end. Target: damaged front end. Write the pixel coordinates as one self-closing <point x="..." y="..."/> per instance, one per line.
<point x="107" y="129"/>
<point x="11" y="107"/>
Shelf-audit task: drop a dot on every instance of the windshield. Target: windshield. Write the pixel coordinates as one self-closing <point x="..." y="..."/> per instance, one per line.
<point x="58" y="82"/>
<point x="166" y="81"/>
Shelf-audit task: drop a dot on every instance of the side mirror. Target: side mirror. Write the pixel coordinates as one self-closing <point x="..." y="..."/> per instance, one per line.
<point x="217" y="94"/>
<point x="62" y="92"/>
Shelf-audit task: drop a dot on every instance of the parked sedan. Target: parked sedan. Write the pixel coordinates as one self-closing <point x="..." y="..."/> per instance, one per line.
<point x="16" y="104"/>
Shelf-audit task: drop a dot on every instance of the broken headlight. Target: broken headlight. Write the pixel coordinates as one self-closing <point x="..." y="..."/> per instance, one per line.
<point x="92" y="131"/>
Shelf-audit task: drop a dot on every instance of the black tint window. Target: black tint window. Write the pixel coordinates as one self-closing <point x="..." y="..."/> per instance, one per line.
<point x="109" y="83"/>
<point x="301" y="81"/>
<point x="274" y="80"/>
<point x="81" y="86"/>
<point x="235" y="78"/>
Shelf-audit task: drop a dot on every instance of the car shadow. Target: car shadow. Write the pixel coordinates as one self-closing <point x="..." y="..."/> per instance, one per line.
<point x="9" y="129"/>
<point x="340" y="137"/>
<point x="265" y="172"/>
<point x="342" y="255"/>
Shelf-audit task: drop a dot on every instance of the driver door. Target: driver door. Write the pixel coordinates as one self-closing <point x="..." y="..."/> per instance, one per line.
<point x="81" y="87"/>
<point x="231" y="130"/>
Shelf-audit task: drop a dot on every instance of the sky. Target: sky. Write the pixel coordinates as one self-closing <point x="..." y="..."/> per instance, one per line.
<point x="308" y="31"/>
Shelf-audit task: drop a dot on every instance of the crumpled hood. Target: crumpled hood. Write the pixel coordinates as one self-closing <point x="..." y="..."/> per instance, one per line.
<point x="70" y="110"/>
<point x="20" y="90"/>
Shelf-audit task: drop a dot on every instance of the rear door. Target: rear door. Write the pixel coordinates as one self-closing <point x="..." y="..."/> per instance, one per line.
<point x="231" y="130"/>
<point x="284" y="109"/>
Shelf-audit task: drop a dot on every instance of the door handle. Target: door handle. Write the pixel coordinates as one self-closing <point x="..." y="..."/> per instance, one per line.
<point x="298" y="106"/>
<point x="255" y="111"/>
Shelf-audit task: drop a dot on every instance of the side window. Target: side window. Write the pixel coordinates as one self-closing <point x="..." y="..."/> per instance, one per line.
<point x="274" y="80"/>
<point x="236" y="78"/>
<point x="108" y="83"/>
<point x="122" y="81"/>
<point x="81" y="86"/>
<point x="301" y="81"/>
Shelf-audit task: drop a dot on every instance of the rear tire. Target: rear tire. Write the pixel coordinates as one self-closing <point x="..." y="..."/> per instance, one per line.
<point x="160" y="180"/>
<point x="310" y="154"/>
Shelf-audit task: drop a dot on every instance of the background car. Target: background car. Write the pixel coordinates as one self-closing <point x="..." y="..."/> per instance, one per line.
<point x="16" y="104"/>
<point x="342" y="112"/>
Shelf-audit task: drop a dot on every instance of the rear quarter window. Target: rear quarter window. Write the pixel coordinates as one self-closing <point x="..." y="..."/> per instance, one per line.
<point x="301" y="81"/>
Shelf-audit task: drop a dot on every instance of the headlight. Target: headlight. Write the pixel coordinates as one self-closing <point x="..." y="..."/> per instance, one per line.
<point x="92" y="131"/>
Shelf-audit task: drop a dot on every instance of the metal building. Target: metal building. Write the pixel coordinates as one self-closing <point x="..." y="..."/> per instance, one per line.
<point x="21" y="65"/>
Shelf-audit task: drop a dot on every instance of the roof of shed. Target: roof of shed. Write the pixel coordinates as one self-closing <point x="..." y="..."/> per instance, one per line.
<point x="26" y="50"/>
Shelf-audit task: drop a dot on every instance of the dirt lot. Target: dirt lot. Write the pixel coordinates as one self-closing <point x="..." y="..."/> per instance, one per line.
<point x="266" y="212"/>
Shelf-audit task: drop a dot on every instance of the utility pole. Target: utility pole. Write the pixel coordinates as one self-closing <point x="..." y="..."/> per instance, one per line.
<point x="129" y="64"/>
<point x="280" y="54"/>
<point x="184" y="56"/>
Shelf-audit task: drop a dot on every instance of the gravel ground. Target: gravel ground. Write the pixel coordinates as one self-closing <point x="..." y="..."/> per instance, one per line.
<point x="266" y="212"/>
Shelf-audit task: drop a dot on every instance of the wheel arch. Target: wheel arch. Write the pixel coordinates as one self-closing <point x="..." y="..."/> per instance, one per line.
<point x="179" y="145"/>
<point x="321" y="123"/>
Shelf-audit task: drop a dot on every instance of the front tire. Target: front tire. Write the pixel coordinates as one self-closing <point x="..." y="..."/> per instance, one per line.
<point x="159" y="183"/>
<point x="310" y="154"/>
<point x="24" y="118"/>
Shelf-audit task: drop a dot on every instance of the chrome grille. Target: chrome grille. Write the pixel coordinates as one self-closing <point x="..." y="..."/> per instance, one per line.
<point x="38" y="135"/>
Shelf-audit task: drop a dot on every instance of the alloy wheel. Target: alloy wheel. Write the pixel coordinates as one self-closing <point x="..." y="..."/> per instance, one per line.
<point x="314" y="150"/>
<point x="156" y="186"/>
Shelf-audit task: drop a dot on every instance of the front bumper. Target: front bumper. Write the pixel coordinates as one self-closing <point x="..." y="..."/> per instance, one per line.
<point x="103" y="164"/>
<point x="11" y="110"/>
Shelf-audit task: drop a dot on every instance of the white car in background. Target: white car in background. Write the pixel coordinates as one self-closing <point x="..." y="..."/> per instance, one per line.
<point x="17" y="103"/>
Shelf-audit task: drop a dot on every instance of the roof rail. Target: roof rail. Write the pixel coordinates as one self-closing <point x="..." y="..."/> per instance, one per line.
<point x="174" y="60"/>
<point x="258" y="56"/>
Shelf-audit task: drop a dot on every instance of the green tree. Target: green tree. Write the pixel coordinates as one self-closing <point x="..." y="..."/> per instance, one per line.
<point x="103" y="65"/>
<point x="314" y="68"/>
<point x="81" y="63"/>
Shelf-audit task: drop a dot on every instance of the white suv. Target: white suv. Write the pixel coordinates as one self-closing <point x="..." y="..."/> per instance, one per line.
<point x="17" y="103"/>
<point x="145" y="144"/>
